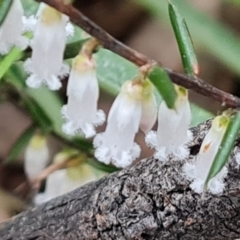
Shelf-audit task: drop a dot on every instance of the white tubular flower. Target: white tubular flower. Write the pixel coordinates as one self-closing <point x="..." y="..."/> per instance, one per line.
<point x="65" y="180"/>
<point x="81" y="112"/>
<point x="36" y="156"/>
<point x="48" y="44"/>
<point x="12" y="28"/>
<point x="199" y="171"/>
<point x="126" y="115"/>
<point x="172" y="134"/>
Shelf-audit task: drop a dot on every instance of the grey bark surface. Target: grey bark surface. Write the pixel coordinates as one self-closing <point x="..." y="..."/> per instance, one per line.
<point x="150" y="200"/>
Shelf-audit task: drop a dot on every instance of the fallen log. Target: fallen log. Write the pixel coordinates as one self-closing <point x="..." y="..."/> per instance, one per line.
<point x="149" y="200"/>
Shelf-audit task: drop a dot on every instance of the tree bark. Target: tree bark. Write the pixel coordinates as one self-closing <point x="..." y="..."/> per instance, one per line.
<point x="149" y="200"/>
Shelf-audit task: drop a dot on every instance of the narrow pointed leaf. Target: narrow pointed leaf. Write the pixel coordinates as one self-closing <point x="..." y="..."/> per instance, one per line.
<point x="5" y="5"/>
<point x="226" y="146"/>
<point x="101" y="166"/>
<point x="184" y="41"/>
<point x="159" y="77"/>
<point x="38" y="114"/>
<point x="8" y="60"/>
<point x="20" y="143"/>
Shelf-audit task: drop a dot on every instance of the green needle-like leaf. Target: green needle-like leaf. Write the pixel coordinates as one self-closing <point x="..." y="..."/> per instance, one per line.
<point x="209" y="35"/>
<point x="184" y="41"/>
<point x="5" y="5"/>
<point x="159" y="77"/>
<point x="38" y="114"/>
<point x="20" y="143"/>
<point x="226" y="146"/>
<point x="101" y="166"/>
<point x="9" y="59"/>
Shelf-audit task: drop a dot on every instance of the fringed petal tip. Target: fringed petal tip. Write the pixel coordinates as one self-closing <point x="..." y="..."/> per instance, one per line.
<point x="64" y="112"/>
<point x="119" y="159"/>
<point x="151" y="139"/>
<point x="189" y="136"/>
<point x="197" y="185"/>
<point x="237" y="159"/>
<point x="69" y="30"/>
<point x="181" y="153"/>
<point x="127" y="157"/>
<point x="88" y="130"/>
<point x="189" y="170"/>
<point x="53" y="83"/>
<point x="161" y="154"/>
<point x="73" y="128"/>
<point x="64" y="71"/>
<point x="215" y="185"/>
<point x="29" y="23"/>
<point x="100" y="118"/>
<point x="68" y="128"/>
<point x="33" y="81"/>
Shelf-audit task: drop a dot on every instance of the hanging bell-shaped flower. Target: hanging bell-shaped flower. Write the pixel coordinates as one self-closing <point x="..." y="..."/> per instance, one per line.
<point x="46" y="64"/>
<point x="36" y="156"/>
<point x="172" y="133"/>
<point x="12" y="29"/>
<point x="81" y="113"/>
<point x="198" y="172"/>
<point x="134" y="107"/>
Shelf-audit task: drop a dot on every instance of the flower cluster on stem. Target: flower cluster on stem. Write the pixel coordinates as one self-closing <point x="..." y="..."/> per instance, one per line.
<point x="172" y="133"/>
<point x="134" y="107"/>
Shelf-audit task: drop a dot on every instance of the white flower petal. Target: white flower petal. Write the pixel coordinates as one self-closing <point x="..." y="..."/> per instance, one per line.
<point x="53" y="83"/>
<point x="181" y="152"/>
<point x="161" y="154"/>
<point x="151" y="139"/>
<point x="48" y="46"/>
<point x="197" y="185"/>
<point x="189" y="170"/>
<point x="118" y="138"/>
<point x="10" y="35"/>
<point x="69" y="30"/>
<point x="237" y="157"/>
<point x="33" y="81"/>
<point x="81" y="113"/>
<point x="149" y="114"/>
<point x="29" y="23"/>
<point x="36" y="156"/>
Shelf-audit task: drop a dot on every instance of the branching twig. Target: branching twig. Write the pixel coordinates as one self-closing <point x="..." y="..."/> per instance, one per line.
<point x="107" y="41"/>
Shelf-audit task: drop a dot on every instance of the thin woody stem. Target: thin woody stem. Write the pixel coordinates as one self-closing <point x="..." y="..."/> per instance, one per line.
<point x="109" y="42"/>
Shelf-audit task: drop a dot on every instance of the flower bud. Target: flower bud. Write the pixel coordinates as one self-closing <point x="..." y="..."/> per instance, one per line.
<point x="36" y="156"/>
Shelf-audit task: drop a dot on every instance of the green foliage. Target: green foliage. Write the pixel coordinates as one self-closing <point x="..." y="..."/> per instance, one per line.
<point x="184" y="41"/>
<point x="5" y="63"/>
<point x="113" y="70"/>
<point x="101" y="166"/>
<point x="21" y="143"/>
<point x="44" y="105"/>
<point x="159" y="77"/>
<point x="226" y="146"/>
<point x="5" y="6"/>
<point x="208" y="34"/>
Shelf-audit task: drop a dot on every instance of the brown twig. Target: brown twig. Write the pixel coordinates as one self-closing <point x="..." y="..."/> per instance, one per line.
<point x="36" y="182"/>
<point x="109" y="42"/>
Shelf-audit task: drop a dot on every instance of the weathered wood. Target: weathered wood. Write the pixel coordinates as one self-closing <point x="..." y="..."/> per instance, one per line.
<point x="150" y="200"/>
